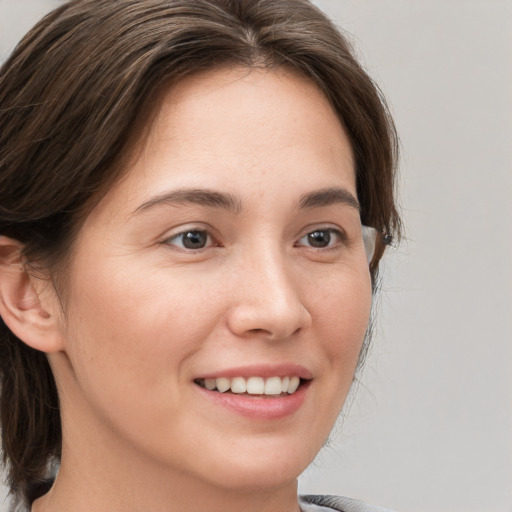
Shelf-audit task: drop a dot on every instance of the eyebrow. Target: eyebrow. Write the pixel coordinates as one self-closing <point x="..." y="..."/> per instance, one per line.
<point x="201" y="197"/>
<point x="327" y="197"/>
<point x="215" y="199"/>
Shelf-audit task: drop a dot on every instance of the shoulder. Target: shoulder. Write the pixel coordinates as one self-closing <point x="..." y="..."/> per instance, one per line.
<point x="317" y="503"/>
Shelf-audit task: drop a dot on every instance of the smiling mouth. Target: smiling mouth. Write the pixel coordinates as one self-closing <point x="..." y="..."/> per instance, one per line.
<point x="271" y="386"/>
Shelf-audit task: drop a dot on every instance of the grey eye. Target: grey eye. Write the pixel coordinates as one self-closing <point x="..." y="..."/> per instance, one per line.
<point x="320" y="238"/>
<point x="191" y="240"/>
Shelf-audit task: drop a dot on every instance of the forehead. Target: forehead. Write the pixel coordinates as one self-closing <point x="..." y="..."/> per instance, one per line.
<point x="260" y="108"/>
<point x="246" y="131"/>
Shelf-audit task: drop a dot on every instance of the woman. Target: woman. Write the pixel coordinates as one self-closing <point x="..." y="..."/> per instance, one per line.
<point x="185" y="285"/>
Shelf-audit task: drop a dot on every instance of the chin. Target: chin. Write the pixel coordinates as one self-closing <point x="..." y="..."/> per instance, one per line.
<point x="264" y="478"/>
<point x="263" y="467"/>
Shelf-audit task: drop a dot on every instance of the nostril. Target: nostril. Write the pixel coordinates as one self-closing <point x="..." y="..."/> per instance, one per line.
<point x="268" y="333"/>
<point x="259" y="331"/>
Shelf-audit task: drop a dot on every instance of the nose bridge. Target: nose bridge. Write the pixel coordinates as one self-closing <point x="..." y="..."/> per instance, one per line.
<point x="267" y="298"/>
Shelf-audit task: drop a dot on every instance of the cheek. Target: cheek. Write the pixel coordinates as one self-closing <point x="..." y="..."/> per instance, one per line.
<point x="343" y="305"/>
<point x="342" y="313"/>
<point x="129" y="328"/>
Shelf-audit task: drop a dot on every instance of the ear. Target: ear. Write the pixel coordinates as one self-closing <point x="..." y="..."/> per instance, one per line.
<point x="28" y="305"/>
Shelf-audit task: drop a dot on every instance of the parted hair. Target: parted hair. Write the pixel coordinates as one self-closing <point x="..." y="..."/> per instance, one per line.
<point x="81" y="87"/>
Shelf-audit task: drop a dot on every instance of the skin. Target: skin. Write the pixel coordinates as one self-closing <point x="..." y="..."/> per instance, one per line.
<point x="145" y="316"/>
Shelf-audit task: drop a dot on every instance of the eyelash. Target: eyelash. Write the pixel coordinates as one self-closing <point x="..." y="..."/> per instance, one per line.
<point x="196" y="234"/>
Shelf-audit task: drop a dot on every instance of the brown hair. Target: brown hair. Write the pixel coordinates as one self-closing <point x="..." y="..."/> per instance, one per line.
<point x="70" y="95"/>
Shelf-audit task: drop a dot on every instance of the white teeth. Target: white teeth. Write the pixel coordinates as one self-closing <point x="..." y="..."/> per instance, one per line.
<point x="222" y="384"/>
<point x="254" y="385"/>
<point x="273" y="386"/>
<point x="294" y="384"/>
<point x="238" y="385"/>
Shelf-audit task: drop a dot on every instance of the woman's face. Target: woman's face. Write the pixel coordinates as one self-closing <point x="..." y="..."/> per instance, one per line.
<point x="231" y="250"/>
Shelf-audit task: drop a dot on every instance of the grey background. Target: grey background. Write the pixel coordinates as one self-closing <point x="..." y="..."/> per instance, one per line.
<point x="430" y="427"/>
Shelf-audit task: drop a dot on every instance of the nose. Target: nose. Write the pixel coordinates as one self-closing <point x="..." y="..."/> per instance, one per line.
<point x="267" y="299"/>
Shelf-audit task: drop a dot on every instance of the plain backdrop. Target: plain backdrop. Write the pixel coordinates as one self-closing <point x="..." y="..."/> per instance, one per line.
<point x="429" y="428"/>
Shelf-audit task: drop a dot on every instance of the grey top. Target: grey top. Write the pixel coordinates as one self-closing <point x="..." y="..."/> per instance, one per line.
<point x="339" y="503"/>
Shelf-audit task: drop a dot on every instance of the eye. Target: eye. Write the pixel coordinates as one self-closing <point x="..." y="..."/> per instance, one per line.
<point x="192" y="239"/>
<point x="321" y="238"/>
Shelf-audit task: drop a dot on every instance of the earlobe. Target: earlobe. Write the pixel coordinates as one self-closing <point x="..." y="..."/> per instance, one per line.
<point x="26" y="305"/>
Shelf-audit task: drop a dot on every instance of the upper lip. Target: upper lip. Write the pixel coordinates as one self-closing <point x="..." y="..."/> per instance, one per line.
<point x="261" y="370"/>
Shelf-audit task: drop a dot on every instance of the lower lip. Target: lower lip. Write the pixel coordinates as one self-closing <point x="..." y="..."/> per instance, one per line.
<point x="260" y="407"/>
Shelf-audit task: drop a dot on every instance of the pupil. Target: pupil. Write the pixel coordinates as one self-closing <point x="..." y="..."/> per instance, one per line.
<point x="194" y="239"/>
<point x="319" y="238"/>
